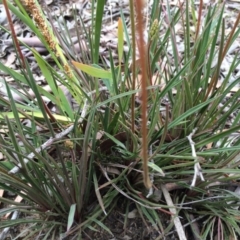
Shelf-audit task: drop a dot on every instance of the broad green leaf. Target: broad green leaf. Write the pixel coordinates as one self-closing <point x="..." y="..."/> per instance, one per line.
<point x="71" y="216"/>
<point x="93" y="71"/>
<point x="10" y="115"/>
<point x="107" y="82"/>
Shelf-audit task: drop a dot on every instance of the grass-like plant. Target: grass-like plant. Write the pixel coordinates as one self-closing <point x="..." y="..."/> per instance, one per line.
<point x="154" y="122"/>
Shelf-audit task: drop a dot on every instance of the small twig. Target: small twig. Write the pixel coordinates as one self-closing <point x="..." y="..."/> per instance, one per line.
<point x="197" y="167"/>
<point x="198" y="201"/>
<point x="185" y="225"/>
<point x="151" y="175"/>
<point x="172" y="209"/>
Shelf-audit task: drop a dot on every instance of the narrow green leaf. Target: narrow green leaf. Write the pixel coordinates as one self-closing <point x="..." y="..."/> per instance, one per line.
<point x="114" y="123"/>
<point x="189" y="112"/>
<point x="97" y="29"/>
<point x="17" y="76"/>
<point x="45" y="71"/>
<point x="103" y="226"/>
<point x="156" y="168"/>
<point x="60" y="99"/>
<point x="120" y="144"/>
<point x="7" y="165"/>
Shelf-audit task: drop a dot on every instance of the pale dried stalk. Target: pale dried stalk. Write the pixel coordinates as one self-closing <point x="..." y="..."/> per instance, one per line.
<point x="151" y="176"/>
<point x="172" y="209"/>
<point x="197" y="167"/>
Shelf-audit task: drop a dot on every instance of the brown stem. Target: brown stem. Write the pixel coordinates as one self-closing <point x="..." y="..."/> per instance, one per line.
<point x="13" y="33"/>
<point x="133" y="65"/>
<point x="142" y="52"/>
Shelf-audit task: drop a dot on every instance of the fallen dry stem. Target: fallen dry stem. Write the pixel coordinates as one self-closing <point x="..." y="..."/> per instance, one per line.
<point x="172" y="208"/>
